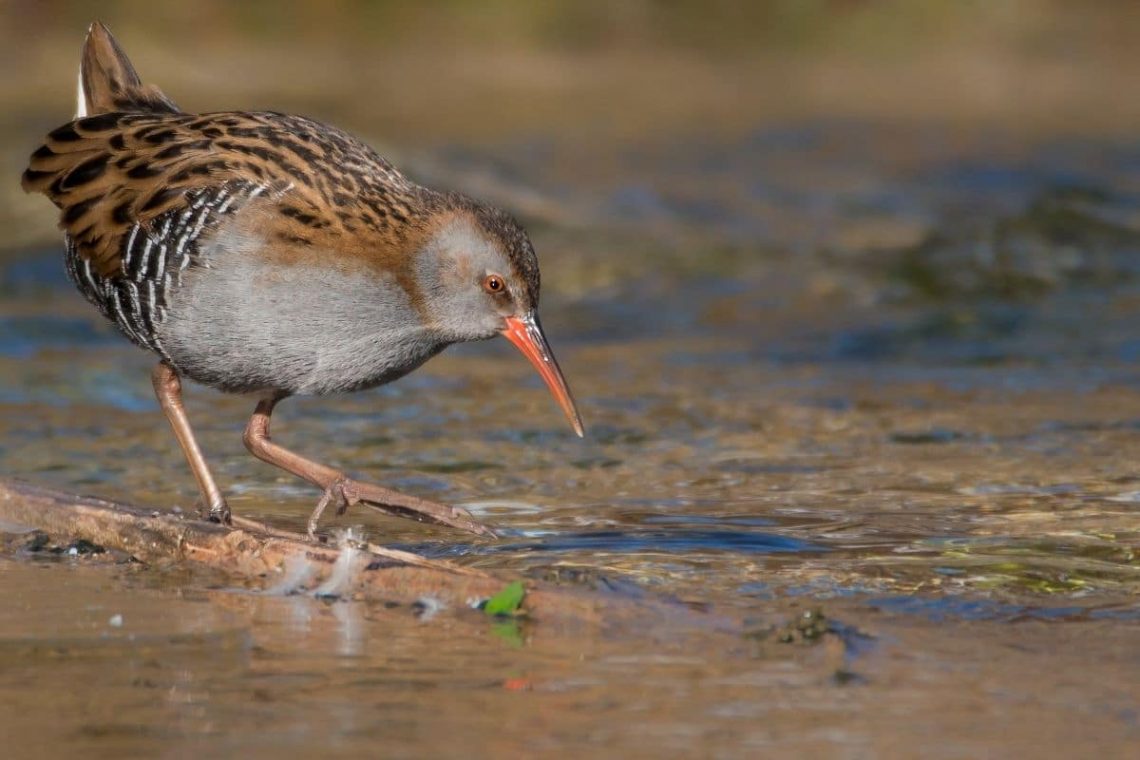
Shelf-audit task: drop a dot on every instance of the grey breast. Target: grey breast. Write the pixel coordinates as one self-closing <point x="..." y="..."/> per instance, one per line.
<point x="244" y="323"/>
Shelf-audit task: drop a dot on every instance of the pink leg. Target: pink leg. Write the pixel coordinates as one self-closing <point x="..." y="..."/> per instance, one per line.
<point x="343" y="491"/>
<point x="168" y="389"/>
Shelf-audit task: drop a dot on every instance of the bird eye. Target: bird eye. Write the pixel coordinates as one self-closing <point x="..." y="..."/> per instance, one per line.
<point x="494" y="284"/>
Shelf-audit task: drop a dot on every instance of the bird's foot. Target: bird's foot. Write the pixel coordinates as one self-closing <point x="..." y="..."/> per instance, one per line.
<point x="216" y="513"/>
<point x="345" y="492"/>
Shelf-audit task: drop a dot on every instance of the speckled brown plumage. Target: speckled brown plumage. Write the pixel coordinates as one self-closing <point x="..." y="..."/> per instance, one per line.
<point x="269" y="253"/>
<point x="111" y="171"/>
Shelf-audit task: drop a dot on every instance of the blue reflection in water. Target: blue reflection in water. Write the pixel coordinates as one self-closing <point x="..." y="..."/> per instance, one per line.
<point x="638" y="542"/>
<point x="938" y="609"/>
<point x="21" y="337"/>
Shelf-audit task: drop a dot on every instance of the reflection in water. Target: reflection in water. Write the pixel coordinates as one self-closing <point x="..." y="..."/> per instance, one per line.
<point x="648" y="542"/>
<point x="952" y="608"/>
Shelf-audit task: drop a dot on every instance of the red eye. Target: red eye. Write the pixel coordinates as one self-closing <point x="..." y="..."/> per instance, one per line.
<point x="494" y="284"/>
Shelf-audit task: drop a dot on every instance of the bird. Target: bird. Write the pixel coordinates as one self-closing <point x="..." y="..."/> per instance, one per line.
<point x="273" y="255"/>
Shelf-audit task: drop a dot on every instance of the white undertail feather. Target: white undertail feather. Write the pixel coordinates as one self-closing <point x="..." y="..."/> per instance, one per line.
<point x="80" y="96"/>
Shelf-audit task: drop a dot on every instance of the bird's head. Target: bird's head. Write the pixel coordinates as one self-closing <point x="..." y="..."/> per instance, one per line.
<point x="478" y="277"/>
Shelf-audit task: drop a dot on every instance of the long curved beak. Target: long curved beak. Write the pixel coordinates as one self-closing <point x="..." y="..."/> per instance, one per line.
<point x="526" y="333"/>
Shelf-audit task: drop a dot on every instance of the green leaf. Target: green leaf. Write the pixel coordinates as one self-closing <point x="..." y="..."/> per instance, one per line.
<point x="507" y="601"/>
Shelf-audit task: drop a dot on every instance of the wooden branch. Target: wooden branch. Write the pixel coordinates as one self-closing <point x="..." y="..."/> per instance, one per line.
<point x="290" y="561"/>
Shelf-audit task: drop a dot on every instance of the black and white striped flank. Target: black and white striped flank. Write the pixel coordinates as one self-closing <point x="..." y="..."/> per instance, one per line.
<point x="154" y="256"/>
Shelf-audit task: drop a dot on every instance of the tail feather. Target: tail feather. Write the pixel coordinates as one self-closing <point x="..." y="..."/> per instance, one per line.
<point x="109" y="83"/>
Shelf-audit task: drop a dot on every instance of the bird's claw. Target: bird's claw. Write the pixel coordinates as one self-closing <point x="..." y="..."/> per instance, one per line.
<point x="215" y="513"/>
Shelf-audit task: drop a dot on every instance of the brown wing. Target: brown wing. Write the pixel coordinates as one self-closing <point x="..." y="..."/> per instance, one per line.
<point x="110" y="172"/>
<point x="132" y="157"/>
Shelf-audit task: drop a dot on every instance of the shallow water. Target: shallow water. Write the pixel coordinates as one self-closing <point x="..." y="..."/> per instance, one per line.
<point x="884" y="371"/>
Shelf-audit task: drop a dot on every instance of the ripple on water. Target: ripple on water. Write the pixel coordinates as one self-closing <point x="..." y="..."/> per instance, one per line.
<point x="943" y="608"/>
<point x="645" y="542"/>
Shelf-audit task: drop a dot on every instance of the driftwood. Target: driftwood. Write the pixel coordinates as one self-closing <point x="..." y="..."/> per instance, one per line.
<point x="360" y="571"/>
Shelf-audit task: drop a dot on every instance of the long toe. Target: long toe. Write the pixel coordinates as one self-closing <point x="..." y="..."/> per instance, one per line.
<point x="333" y="494"/>
<point x="402" y="505"/>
